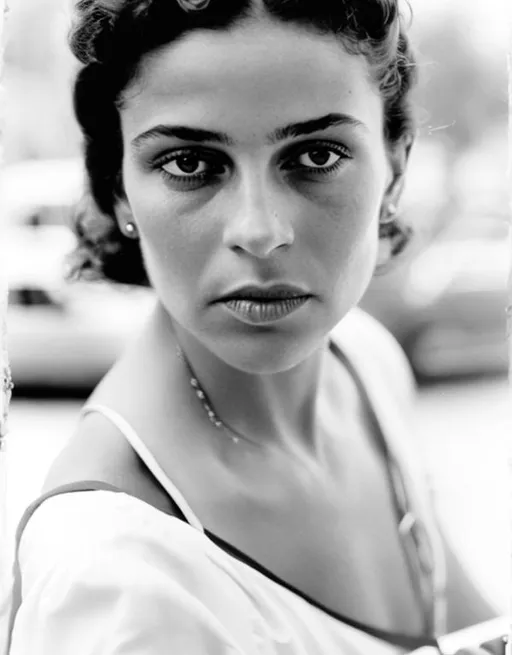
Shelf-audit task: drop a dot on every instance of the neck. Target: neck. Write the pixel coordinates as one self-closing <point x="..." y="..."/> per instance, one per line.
<point x="277" y="409"/>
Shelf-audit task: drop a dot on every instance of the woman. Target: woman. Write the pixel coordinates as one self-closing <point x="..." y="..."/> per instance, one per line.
<point x="251" y="485"/>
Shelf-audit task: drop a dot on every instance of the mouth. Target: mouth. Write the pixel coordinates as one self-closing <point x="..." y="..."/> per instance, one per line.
<point x="259" y="305"/>
<point x="275" y="293"/>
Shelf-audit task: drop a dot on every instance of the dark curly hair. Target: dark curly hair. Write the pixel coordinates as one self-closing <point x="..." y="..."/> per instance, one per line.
<point x="110" y="37"/>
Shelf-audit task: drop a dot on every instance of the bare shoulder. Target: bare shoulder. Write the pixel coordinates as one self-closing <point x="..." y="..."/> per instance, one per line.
<point x="97" y="450"/>
<point x="359" y="332"/>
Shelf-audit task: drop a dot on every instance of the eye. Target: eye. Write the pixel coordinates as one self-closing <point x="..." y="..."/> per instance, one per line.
<point x="322" y="157"/>
<point x="191" y="168"/>
<point x="185" y="164"/>
<point x="318" y="158"/>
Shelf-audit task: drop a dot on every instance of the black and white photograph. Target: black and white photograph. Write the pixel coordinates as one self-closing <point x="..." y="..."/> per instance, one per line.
<point x="260" y="405"/>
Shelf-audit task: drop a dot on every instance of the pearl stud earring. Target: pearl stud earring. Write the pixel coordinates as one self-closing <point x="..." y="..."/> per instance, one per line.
<point x="130" y="229"/>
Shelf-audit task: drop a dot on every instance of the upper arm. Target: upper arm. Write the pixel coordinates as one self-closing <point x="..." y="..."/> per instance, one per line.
<point x="465" y="603"/>
<point x="115" y="604"/>
<point x="381" y="354"/>
<point x="107" y="582"/>
<point x="393" y="363"/>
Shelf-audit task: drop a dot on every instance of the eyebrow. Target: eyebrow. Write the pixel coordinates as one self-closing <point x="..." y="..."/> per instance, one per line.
<point x="200" y="135"/>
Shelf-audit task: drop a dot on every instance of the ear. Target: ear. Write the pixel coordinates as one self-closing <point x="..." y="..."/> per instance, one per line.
<point x="398" y="157"/>
<point x="125" y="219"/>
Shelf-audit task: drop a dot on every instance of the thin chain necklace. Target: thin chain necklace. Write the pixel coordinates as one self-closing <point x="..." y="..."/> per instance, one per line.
<point x="214" y="419"/>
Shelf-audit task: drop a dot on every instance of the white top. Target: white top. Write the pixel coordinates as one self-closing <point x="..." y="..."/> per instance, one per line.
<point x="104" y="573"/>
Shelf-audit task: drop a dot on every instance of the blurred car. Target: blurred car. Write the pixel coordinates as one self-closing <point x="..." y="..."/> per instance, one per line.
<point x="447" y="307"/>
<point x="40" y="191"/>
<point x="60" y="334"/>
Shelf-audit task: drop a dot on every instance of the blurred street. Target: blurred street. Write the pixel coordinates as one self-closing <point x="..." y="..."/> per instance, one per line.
<point x="463" y="428"/>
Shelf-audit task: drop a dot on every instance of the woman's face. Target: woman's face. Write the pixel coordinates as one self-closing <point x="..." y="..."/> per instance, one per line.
<point x="255" y="157"/>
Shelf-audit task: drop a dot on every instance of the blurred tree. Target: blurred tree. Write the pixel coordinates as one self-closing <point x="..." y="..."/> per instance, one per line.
<point x="461" y="103"/>
<point x="39" y="119"/>
<point x="461" y="92"/>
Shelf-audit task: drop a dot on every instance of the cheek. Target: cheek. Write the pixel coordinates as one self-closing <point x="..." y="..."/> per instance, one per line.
<point x="352" y="269"/>
<point x="353" y="261"/>
<point x="347" y="241"/>
<point x="347" y="229"/>
<point x="175" y="246"/>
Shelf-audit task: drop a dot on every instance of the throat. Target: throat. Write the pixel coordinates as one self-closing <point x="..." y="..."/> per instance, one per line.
<point x="277" y="410"/>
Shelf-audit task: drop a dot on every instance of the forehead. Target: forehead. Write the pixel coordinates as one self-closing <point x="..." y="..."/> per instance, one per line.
<point x="249" y="79"/>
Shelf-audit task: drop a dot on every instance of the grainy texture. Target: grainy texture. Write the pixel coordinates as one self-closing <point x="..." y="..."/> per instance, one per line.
<point x="4" y="369"/>
<point x="509" y="331"/>
<point x="5" y="390"/>
<point x="510" y="192"/>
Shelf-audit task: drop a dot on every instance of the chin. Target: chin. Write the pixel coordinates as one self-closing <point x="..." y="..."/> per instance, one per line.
<point x="269" y="351"/>
<point x="270" y="365"/>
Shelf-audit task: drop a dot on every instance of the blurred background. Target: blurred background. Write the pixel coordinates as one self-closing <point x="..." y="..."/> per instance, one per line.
<point x="445" y="301"/>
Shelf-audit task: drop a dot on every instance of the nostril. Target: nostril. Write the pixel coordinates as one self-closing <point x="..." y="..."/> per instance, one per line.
<point x="260" y="243"/>
<point x="260" y="247"/>
<point x="256" y="224"/>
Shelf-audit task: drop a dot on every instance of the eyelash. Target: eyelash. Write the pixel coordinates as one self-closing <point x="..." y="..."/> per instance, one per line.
<point x="202" y="156"/>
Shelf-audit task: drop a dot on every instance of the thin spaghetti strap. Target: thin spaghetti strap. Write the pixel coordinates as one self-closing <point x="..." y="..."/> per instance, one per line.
<point x="148" y="458"/>
<point x="347" y="339"/>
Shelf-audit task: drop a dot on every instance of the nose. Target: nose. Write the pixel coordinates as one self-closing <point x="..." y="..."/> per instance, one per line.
<point x="259" y="221"/>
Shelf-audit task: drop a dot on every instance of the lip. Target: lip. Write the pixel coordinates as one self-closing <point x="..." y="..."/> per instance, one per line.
<point x="270" y="293"/>
<point x="264" y="311"/>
